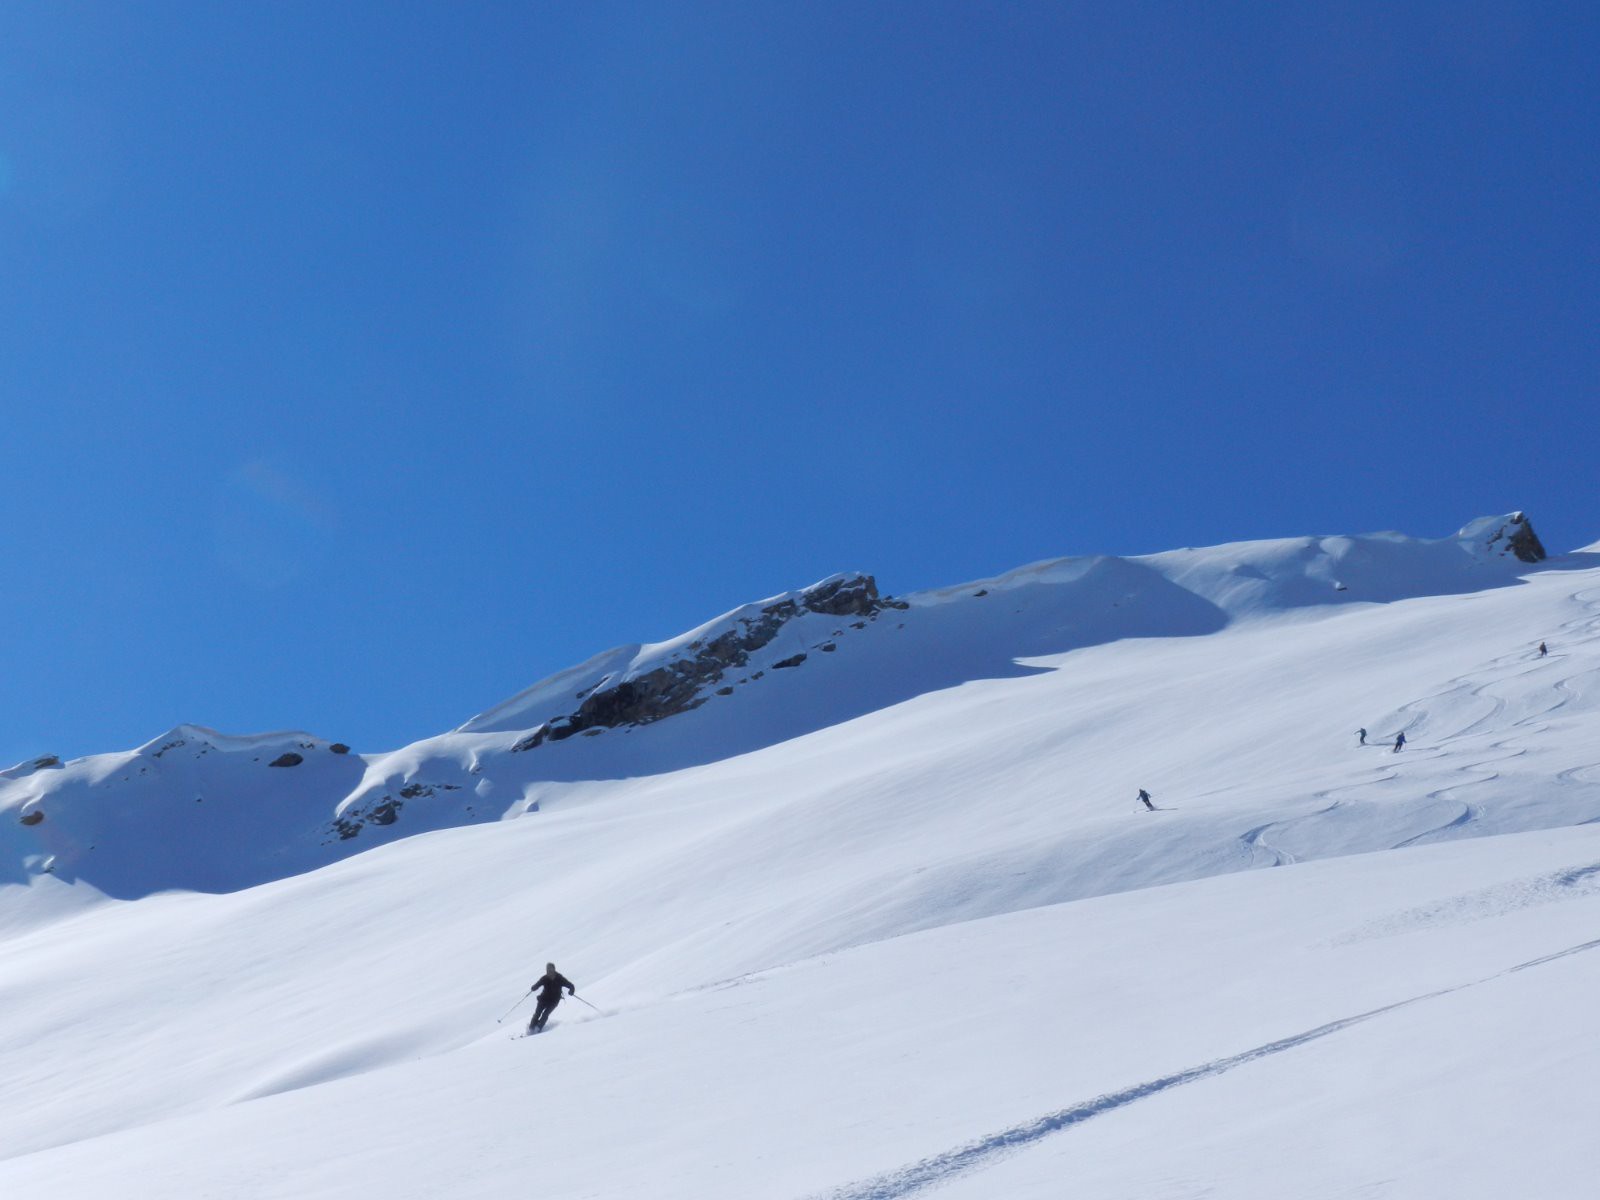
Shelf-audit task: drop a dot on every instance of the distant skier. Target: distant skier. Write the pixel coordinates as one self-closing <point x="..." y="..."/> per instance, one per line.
<point x="1362" y="734"/>
<point x="1543" y="649"/>
<point x="549" y="989"/>
<point x="1399" y="742"/>
<point x="1145" y="797"/>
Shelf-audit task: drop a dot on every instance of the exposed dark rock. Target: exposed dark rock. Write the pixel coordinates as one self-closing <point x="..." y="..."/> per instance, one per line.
<point x="724" y="691"/>
<point x="384" y="812"/>
<point x="32" y="818"/>
<point x="531" y="740"/>
<point x="827" y="647"/>
<point x="413" y="790"/>
<point x="287" y="759"/>
<point x="49" y="760"/>
<point x="794" y="660"/>
<point x="339" y="748"/>
<point x="981" y="592"/>
<point x="172" y="745"/>
<point x="1520" y="539"/>
<point x="852" y="596"/>
<point x="682" y="685"/>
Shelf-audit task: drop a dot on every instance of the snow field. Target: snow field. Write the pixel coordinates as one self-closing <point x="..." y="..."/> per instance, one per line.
<point x="1062" y="1047"/>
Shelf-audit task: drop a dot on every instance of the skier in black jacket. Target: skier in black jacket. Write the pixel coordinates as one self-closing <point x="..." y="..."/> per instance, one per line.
<point x="549" y="988"/>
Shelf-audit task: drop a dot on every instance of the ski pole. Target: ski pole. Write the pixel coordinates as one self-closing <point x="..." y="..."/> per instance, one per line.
<point x="575" y="996"/>
<point x="517" y="1005"/>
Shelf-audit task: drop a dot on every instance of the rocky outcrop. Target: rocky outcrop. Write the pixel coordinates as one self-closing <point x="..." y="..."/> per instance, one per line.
<point x="685" y="683"/>
<point x="339" y="748"/>
<point x="287" y="759"/>
<point x="1508" y="536"/>
<point x="1518" y="537"/>
<point x="385" y="810"/>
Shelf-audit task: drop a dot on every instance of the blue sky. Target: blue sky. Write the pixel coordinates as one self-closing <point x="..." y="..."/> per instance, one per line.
<point x="363" y="363"/>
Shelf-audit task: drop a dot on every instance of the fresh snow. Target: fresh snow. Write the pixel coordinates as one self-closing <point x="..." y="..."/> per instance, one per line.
<point x="888" y="922"/>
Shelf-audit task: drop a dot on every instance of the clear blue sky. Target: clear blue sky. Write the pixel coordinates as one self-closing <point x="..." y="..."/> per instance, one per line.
<point x="364" y="362"/>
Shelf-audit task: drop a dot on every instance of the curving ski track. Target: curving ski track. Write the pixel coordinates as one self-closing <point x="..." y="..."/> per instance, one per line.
<point x="1488" y="709"/>
<point x="986" y="1151"/>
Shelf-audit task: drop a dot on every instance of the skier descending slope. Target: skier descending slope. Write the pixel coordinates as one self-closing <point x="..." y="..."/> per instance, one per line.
<point x="549" y="988"/>
<point x="1145" y="796"/>
<point x="1399" y="742"/>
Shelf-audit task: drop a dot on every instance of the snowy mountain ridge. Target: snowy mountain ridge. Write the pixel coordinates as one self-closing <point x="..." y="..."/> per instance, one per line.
<point x="756" y="676"/>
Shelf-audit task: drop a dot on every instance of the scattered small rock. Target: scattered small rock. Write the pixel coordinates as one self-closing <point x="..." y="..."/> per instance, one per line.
<point x="724" y="691"/>
<point x="413" y="790"/>
<point x="287" y="759"/>
<point x="794" y="660"/>
<point x="339" y="748"/>
<point x="32" y="818"/>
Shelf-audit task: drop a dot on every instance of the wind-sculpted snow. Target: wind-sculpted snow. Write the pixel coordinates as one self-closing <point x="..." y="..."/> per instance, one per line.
<point x="199" y="810"/>
<point x="1569" y="883"/>
<point x="192" y="809"/>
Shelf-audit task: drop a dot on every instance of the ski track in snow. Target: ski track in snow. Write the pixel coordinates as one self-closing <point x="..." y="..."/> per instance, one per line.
<point x="1263" y="853"/>
<point x="940" y="1169"/>
<point x="1571" y="883"/>
<point x="1472" y="686"/>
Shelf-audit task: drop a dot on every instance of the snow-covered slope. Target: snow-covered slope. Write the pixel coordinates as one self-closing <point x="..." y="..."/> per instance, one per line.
<point x="1414" y="1025"/>
<point x="235" y="812"/>
<point x="885" y="918"/>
